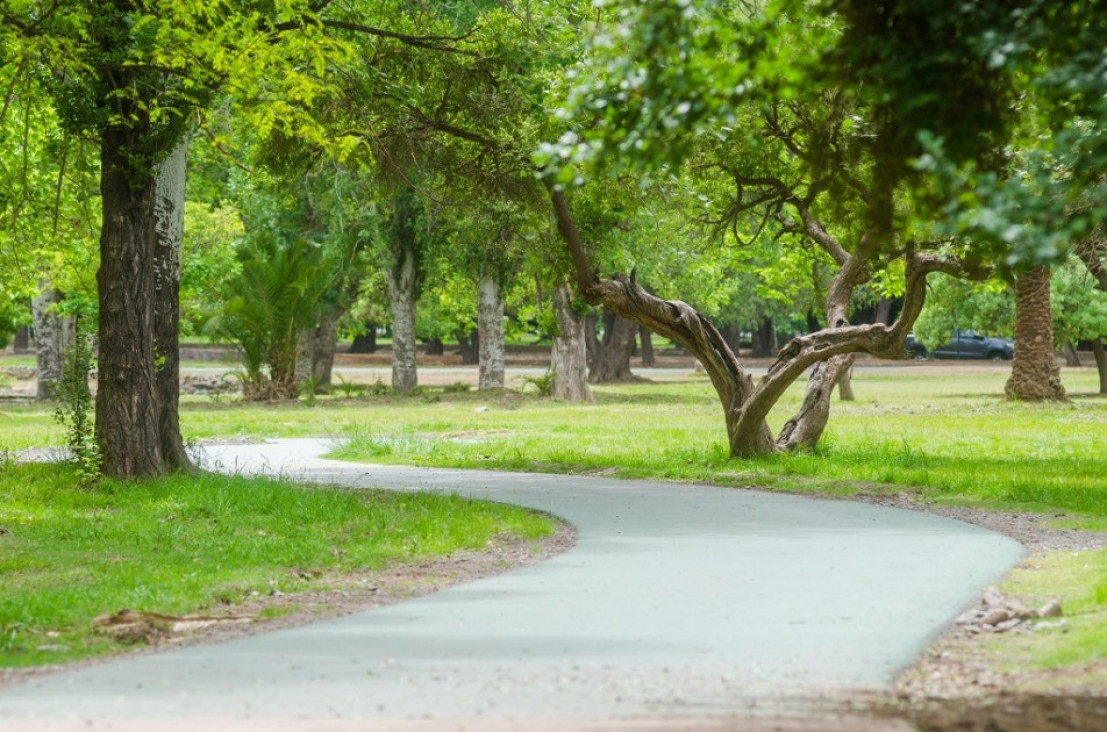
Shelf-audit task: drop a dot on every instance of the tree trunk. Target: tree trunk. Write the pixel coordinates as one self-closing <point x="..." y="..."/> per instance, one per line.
<point x="401" y="291"/>
<point x="169" y="232"/>
<point x="648" y="358"/>
<point x="490" y="324"/>
<point x="883" y="311"/>
<point x="54" y="337"/>
<point x="1035" y="375"/>
<point x="22" y="339"/>
<point x="128" y="408"/>
<point x="434" y="347"/>
<point x="468" y="345"/>
<point x="1100" y="363"/>
<point x="804" y="430"/>
<point x="845" y="384"/>
<point x="569" y="356"/>
<point x="611" y="360"/>
<point x="365" y="342"/>
<point x="316" y="349"/>
<point x="763" y="345"/>
<point x="1072" y="359"/>
<point x="746" y="407"/>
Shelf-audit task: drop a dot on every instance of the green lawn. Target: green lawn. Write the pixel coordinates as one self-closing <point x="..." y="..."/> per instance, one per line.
<point x="186" y="545"/>
<point x="944" y="432"/>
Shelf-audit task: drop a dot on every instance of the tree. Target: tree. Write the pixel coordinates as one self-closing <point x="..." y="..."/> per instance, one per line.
<point x="793" y="159"/>
<point x="1035" y="375"/>
<point x="131" y="76"/>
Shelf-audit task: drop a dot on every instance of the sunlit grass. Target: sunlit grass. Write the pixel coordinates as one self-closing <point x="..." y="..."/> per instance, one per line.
<point x="188" y="544"/>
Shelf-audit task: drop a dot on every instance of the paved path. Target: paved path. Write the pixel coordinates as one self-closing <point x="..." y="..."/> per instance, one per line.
<point x="677" y="601"/>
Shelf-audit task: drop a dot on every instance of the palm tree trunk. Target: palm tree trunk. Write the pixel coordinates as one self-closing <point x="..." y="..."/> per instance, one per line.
<point x="1035" y="375"/>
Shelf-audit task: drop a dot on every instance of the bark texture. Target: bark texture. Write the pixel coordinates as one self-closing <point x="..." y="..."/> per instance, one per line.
<point x="745" y="406"/>
<point x="649" y="360"/>
<point x="54" y="337"/>
<point x="401" y="291"/>
<point x="128" y="410"/>
<point x="1035" y="375"/>
<point x="468" y="345"/>
<point x="169" y="233"/>
<point x="569" y="357"/>
<point x="316" y="349"/>
<point x="490" y="323"/>
<point x="610" y="357"/>
<point x="404" y="278"/>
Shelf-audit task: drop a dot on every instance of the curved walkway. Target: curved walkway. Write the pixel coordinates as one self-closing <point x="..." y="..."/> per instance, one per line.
<point x="677" y="601"/>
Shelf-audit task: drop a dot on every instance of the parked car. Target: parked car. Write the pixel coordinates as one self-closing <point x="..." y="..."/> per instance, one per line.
<point x="970" y="344"/>
<point x="912" y="348"/>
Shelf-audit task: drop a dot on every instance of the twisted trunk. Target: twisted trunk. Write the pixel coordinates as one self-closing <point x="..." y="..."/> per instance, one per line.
<point x="745" y="407"/>
<point x="569" y="357"/>
<point x="490" y="324"/>
<point x="1035" y="375"/>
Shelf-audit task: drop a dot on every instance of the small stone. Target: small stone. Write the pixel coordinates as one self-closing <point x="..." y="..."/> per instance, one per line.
<point x="481" y="408"/>
<point x="995" y="616"/>
<point x="1007" y="625"/>
<point x="991" y="597"/>
<point x="1051" y="609"/>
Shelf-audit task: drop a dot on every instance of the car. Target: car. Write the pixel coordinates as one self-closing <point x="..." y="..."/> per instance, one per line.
<point x="912" y="348"/>
<point x="970" y="344"/>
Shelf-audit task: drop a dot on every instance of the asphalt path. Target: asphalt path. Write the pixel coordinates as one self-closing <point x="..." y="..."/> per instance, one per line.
<point x="677" y="601"/>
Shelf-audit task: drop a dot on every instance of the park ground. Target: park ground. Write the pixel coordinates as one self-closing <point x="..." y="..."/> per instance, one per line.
<point x="933" y="436"/>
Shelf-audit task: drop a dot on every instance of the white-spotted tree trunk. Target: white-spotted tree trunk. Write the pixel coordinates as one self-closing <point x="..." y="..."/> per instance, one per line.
<point x="54" y="337"/>
<point x="490" y="324"/>
<point x="168" y="235"/>
<point x="569" y="357"/>
<point x="402" y="293"/>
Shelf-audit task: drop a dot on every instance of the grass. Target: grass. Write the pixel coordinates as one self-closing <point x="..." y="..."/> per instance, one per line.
<point x="943" y="432"/>
<point x="184" y="545"/>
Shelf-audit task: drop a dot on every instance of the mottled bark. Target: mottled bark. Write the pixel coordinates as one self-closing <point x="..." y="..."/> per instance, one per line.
<point x="128" y="408"/>
<point x="401" y="291"/>
<point x="54" y="337"/>
<point x="169" y="233"/>
<point x="1100" y="363"/>
<point x="490" y="324"/>
<point x="404" y="279"/>
<point x="569" y="357"/>
<point x="1035" y="375"/>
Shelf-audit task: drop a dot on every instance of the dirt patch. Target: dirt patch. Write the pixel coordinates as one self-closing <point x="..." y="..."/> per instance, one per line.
<point x="957" y="684"/>
<point x="334" y="595"/>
